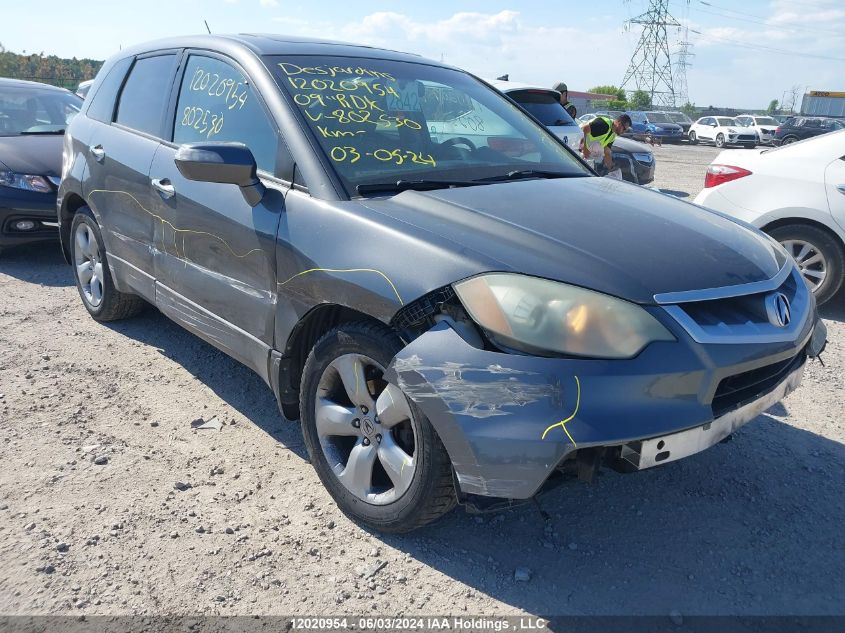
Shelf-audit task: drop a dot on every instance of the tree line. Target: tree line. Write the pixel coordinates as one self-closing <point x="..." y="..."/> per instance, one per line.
<point x="639" y="100"/>
<point x="49" y="69"/>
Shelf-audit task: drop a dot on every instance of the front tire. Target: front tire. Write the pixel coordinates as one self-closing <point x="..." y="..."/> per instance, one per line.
<point x="91" y="272"/>
<point x="693" y="139"/>
<point x="819" y="256"/>
<point x="720" y="141"/>
<point x="374" y="450"/>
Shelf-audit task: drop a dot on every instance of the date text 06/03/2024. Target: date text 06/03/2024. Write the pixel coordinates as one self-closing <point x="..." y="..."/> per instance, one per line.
<point x="429" y="623"/>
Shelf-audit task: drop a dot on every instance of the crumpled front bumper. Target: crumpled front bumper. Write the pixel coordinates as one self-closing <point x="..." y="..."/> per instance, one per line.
<point x="508" y="421"/>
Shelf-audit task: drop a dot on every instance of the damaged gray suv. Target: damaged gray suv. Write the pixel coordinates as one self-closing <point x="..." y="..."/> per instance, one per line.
<point x="452" y="303"/>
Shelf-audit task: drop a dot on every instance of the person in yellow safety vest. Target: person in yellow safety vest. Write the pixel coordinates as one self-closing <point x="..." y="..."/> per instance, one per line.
<point x="564" y="99"/>
<point x="599" y="135"/>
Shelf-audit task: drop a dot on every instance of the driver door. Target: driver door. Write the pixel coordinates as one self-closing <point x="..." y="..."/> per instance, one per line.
<point x="215" y="262"/>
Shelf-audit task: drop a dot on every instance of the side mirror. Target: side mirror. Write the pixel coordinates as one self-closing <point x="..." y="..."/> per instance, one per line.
<point x="226" y="163"/>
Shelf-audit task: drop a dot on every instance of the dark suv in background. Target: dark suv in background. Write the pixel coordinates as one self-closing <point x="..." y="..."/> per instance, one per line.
<point x="441" y="290"/>
<point x="800" y="127"/>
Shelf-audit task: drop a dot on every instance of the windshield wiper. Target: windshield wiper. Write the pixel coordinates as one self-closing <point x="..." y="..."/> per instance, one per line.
<point x="27" y="133"/>
<point x="530" y="173"/>
<point x="415" y="185"/>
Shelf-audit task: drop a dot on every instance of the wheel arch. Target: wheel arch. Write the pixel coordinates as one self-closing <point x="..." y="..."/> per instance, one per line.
<point x="786" y="221"/>
<point x="70" y="205"/>
<point x="290" y="362"/>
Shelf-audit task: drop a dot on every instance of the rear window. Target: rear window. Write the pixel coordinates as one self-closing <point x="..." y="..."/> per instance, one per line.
<point x="658" y="117"/>
<point x="545" y="106"/>
<point x="145" y="94"/>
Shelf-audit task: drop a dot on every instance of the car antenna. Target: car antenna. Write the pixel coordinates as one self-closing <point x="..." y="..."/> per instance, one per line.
<point x="207" y="27"/>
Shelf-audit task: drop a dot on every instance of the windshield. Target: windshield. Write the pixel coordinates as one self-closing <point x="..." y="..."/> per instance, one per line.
<point x="658" y="117"/>
<point x="544" y="105"/>
<point x="679" y="117"/>
<point x="35" y="110"/>
<point x="725" y="121"/>
<point x="765" y="120"/>
<point x="381" y="121"/>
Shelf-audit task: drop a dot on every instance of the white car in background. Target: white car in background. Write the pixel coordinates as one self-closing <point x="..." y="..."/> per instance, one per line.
<point x="765" y="126"/>
<point x="796" y="194"/>
<point x="722" y="131"/>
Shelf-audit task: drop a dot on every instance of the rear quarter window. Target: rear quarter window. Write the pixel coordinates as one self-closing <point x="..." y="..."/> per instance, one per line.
<point x="102" y="102"/>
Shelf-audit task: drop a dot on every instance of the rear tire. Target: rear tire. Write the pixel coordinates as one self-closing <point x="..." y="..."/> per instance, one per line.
<point x="693" y="139"/>
<point x="824" y="257"/>
<point x="92" y="275"/>
<point x="364" y="435"/>
<point x="787" y="140"/>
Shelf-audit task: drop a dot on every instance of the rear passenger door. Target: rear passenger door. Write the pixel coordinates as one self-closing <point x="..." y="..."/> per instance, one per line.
<point x="119" y="157"/>
<point x="215" y="254"/>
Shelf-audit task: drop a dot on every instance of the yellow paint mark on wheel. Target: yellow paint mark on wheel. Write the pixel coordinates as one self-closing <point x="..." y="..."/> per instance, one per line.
<point x="347" y="270"/>
<point x="562" y="424"/>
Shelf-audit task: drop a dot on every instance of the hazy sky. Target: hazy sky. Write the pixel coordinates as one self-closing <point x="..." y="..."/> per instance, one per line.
<point x="739" y="59"/>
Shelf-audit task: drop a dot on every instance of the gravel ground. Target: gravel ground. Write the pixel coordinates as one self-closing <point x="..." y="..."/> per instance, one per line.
<point x="111" y="503"/>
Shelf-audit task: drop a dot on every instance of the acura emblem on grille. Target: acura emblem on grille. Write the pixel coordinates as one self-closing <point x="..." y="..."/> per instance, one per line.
<point x="777" y="307"/>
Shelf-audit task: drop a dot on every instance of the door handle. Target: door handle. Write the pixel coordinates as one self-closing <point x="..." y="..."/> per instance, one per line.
<point x="163" y="186"/>
<point x="841" y="189"/>
<point x="97" y="152"/>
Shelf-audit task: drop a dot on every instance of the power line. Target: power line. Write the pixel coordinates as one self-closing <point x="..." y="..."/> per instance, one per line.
<point x="761" y="47"/>
<point x="762" y="21"/>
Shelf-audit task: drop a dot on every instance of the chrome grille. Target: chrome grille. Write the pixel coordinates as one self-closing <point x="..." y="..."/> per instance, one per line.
<point x="745" y="318"/>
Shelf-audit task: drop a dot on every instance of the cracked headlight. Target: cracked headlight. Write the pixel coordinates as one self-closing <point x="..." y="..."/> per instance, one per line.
<point x="537" y="315"/>
<point x="24" y="181"/>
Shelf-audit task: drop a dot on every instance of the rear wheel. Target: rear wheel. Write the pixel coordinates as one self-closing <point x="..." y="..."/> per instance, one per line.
<point x="720" y="140"/>
<point x="373" y="449"/>
<point x="693" y="139"/>
<point x="91" y="271"/>
<point x="789" y="139"/>
<point x="819" y="256"/>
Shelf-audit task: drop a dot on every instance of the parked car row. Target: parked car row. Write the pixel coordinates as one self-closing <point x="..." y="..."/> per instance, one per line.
<point x="510" y="316"/>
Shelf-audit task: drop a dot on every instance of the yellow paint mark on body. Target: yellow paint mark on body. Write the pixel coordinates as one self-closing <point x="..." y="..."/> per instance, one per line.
<point x="347" y="270"/>
<point x="562" y="424"/>
<point x="176" y="230"/>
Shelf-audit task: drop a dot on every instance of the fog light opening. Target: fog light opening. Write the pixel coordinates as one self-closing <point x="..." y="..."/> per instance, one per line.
<point x="24" y="225"/>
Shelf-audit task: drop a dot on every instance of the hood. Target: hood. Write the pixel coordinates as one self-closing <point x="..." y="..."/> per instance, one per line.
<point x="631" y="146"/>
<point x="32" y="154"/>
<point x="597" y="233"/>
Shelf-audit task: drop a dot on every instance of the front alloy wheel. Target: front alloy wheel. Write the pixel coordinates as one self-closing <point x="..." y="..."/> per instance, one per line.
<point x="367" y="431"/>
<point x="374" y="450"/>
<point x="720" y="140"/>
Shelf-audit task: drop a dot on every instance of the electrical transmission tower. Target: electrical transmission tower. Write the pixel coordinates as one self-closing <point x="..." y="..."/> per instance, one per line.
<point x="651" y="69"/>
<point x="683" y="56"/>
